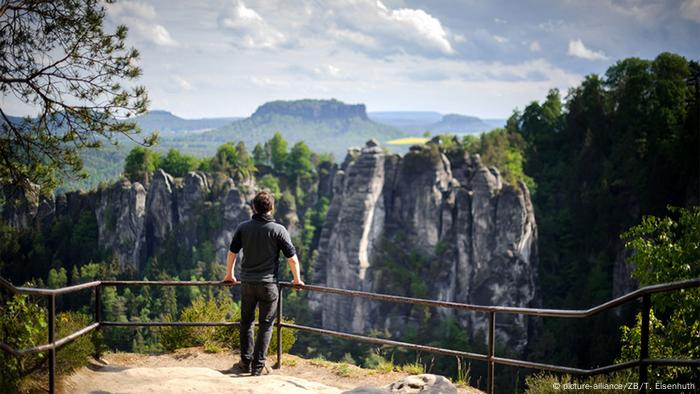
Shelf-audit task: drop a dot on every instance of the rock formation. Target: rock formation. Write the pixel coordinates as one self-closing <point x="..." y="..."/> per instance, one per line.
<point x="312" y="109"/>
<point x="476" y="234"/>
<point x="120" y="213"/>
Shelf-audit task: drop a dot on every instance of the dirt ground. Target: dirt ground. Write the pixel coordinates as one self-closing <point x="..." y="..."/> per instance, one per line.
<point x="193" y="370"/>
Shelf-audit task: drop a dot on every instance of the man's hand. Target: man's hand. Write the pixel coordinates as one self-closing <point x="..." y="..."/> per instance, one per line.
<point x="298" y="282"/>
<point x="230" y="278"/>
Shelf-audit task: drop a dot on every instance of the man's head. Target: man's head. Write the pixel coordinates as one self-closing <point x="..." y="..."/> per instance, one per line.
<point x="263" y="202"/>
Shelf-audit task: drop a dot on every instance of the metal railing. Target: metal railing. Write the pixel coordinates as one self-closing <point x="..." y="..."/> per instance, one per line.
<point x="490" y="358"/>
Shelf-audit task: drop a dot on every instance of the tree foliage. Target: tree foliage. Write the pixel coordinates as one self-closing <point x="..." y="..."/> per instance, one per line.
<point x="667" y="250"/>
<point x="178" y="164"/>
<point x="233" y="160"/>
<point x="299" y="161"/>
<point x="621" y="146"/>
<point x="58" y="60"/>
<point x="140" y="163"/>
<point x="278" y="152"/>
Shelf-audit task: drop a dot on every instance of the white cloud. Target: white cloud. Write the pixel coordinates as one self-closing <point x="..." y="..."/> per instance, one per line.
<point x="142" y="20"/>
<point x="690" y="9"/>
<point x="182" y="83"/>
<point x="535" y="46"/>
<point x="161" y="36"/>
<point x="132" y="9"/>
<point x="251" y="29"/>
<point x="459" y="38"/>
<point x="500" y="39"/>
<point x="422" y="25"/>
<point x="578" y="49"/>
<point x="366" y="26"/>
<point x="328" y="71"/>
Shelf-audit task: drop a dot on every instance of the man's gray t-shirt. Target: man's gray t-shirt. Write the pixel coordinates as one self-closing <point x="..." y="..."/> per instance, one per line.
<point x="261" y="240"/>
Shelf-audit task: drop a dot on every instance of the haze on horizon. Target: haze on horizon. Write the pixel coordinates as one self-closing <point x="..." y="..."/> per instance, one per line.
<point x="221" y="58"/>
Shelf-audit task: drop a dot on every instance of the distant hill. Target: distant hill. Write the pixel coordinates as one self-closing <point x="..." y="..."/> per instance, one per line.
<point x="418" y="122"/>
<point x="406" y="119"/>
<point x="325" y="125"/>
<point x="165" y="121"/>
<point x="454" y="123"/>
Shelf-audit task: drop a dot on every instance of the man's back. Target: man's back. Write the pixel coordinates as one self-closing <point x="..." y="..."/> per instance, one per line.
<point x="261" y="240"/>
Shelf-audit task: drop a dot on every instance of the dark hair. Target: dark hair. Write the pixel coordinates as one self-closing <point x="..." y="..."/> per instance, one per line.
<point x="263" y="202"/>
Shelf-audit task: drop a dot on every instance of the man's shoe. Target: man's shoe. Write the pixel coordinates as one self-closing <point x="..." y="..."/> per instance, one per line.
<point x="241" y="367"/>
<point x="262" y="371"/>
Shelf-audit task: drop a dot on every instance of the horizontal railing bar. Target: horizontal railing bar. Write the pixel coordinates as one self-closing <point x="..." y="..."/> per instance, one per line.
<point x="385" y="297"/>
<point x="8" y="349"/>
<point x="168" y="283"/>
<point x="503" y="309"/>
<point x="600" y="370"/>
<point x="381" y="341"/>
<point x="671" y="362"/>
<point x="535" y="365"/>
<point x="168" y="324"/>
<point x="41" y="291"/>
<point x="48" y="346"/>
<point x="72" y="337"/>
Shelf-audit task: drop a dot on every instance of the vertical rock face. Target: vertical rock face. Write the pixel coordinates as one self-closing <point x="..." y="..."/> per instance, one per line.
<point x="235" y="209"/>
<point x="478" y="237"/>
<point x="357" y="218"/>
<point x="120" y="212"/>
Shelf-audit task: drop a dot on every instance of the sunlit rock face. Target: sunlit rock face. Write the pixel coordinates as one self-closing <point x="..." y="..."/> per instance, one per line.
<point x="477" y="236"/>
<point x="120" y="213"/>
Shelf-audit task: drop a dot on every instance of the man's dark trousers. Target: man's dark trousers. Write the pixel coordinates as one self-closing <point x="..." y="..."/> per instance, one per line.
<point x="265" y="295"/>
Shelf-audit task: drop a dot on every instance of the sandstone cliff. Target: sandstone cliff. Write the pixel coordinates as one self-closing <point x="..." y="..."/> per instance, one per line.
<point x="476" y="239"/>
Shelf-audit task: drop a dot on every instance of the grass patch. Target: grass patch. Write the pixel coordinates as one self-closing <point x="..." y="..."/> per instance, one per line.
<point x="408" y="141"/>
<point x="290" y="362"/>
<point x="385" y="366"/>
<point x="343" y="370"/>
<point x="413" y="369"/>
<point x="320" y="362"/>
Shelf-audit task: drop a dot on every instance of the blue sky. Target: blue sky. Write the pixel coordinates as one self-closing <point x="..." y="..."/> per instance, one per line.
<point x="484" y="58"/>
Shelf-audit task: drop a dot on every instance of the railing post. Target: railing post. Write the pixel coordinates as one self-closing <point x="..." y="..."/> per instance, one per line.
<point x="491" y="351"/>
<point x="52" y="352"/>
<point x="279" y="327"/>
<point x="644" y="346"/>
<point x="98" y="316"/>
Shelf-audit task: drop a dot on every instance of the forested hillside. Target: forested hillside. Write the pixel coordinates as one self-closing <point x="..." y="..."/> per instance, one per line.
<point x="621" y="145"/>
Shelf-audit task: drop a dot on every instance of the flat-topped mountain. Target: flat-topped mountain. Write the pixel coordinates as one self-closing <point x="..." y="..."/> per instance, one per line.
<point x="325" y="125"/>
<point x="312" y="109"/>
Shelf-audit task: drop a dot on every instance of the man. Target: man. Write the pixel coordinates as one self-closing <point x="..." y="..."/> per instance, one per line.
<point x="261" y="240"/>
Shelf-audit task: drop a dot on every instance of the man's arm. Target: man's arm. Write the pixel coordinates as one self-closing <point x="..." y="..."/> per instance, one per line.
<point x="233" y="249"/>
<point x="294" y="267"/>
<point x="230" y="264"/>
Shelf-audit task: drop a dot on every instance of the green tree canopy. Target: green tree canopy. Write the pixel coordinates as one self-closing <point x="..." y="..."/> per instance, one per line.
<point x="299" y="161"/>
<point x="233" y="160"/>
<point x="261" y="154"/>
<point x="278" y="152"/>
<point x="58" y="60"/>
<point x="139" y="163"/>
<point x="178" y="164"/>
<point x="667" y="250"/>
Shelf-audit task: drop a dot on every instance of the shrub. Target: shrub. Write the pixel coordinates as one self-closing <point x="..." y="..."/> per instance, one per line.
<point x="203" y="310"/>
<point x="413" y="368"/>
<point x="547" y="383"/>
<point x="214" y="338"/>
<point x="379" y="363"/>
<point x="23" y="325"/>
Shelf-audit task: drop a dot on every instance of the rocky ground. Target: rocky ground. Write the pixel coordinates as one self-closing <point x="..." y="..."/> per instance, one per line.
<point x="194" y="371"/>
